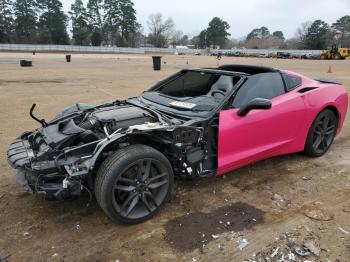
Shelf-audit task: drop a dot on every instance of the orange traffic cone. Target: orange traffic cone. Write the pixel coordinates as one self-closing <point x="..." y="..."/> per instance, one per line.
<point x="330" y="69"/>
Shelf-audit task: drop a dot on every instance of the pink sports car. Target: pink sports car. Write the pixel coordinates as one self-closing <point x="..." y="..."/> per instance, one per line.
<point x="198" y="122"/>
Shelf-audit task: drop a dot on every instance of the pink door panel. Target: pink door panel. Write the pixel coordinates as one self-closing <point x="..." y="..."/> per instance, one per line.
<point x="261" y="133"/>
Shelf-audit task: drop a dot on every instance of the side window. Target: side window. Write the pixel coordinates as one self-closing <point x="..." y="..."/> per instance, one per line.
<point x="291" y="81"/>
<point x="265" y="85"/>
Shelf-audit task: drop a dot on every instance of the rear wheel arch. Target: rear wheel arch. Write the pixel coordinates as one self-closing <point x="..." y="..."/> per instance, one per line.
<point x="334" y="110"/>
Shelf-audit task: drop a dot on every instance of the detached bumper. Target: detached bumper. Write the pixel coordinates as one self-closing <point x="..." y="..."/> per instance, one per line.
<point x="19" y="154"/>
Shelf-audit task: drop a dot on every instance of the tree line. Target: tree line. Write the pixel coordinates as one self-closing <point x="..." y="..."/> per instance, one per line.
<point x="114" y="23"/>
<point x="311" y="35"/>
<point x="108" y="22"/>
<point x="315" y="35"/>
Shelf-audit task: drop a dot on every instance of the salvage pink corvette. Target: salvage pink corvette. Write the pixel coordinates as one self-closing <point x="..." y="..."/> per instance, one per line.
<point x="198" y="122"/>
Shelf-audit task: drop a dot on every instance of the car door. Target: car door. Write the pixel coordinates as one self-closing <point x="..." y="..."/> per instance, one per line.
<point x="261" y="133"/>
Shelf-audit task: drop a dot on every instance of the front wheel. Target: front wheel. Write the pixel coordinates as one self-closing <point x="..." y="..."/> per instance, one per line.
<point x="133" y="184"/>
<point x="337" y="56"/>
<point x="321" y="134"/>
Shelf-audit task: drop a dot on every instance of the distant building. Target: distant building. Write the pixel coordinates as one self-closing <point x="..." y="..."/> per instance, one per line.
<point x="181" y="47"/>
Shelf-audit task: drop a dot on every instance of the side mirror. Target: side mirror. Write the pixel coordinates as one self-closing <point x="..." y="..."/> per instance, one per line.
<point x="256" y="103"/>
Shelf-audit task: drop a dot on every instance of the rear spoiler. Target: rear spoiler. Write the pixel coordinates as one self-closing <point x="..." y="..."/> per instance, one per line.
<point x="326" y="80"/>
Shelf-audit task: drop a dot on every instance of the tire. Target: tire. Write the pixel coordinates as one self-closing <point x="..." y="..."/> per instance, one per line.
<point x="323" y="57"/>
<point x="321" y="134"/>
<point x="133" y="184"/>
<point x="337" y="56"/>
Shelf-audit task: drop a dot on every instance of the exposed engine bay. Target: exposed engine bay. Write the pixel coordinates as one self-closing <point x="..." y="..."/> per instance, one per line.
<point x="60" y="158"/>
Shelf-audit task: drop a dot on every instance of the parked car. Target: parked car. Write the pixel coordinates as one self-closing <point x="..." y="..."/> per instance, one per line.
<point x="198" y="122"/>
<point x="283" y="55"/>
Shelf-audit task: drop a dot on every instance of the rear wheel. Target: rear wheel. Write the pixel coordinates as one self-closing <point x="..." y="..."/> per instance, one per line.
<point x="133" y="184"/>
<point x="321" y="134"/>
<point x="323" y="57"/>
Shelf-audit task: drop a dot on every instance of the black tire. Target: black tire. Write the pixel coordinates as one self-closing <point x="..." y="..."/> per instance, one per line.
<point x="337" y="56"/>
<point x="321" y="134"/>
<point x="133" y="184"/>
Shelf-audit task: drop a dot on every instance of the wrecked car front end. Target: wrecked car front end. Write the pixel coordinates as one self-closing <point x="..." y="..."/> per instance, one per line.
<point x="57" y="158"/>
<point x="60" y="158"/>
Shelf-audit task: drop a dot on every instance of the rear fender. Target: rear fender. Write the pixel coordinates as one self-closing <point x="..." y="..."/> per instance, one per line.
<point x="326" y="96"/>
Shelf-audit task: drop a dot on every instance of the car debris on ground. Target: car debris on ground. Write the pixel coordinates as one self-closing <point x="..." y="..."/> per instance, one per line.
<point x="318" y="214"/>
<point x="27" y="235"/>
<point x="344" y="231"/>
<point x="281" y="202"/>
<point x="275" y="252"/>
<point x="299" y="244"/>
<point x="302" y="250"/>
<point x="4" y="255"/>
<point x="243" y="243"/>
<point x="313" y="247"/>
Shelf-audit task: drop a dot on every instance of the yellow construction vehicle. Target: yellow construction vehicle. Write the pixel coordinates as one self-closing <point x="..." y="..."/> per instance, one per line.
<point x="335" y="53"/>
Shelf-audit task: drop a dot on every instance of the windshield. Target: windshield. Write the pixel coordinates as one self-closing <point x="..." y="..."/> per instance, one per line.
<point x="193" y="90"/>
<point x="188" y="84"/>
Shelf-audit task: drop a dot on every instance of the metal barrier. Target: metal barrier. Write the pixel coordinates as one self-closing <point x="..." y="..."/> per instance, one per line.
<point x="142" y="50"/>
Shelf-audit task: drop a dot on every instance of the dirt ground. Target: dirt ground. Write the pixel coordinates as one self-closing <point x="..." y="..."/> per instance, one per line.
<point x="267" y="210"/>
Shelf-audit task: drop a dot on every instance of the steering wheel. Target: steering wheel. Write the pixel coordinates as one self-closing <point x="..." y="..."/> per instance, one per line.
<point x="219" y="92"/>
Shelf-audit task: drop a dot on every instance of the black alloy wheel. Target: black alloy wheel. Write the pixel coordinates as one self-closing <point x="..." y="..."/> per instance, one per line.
<point x="321" y="133"/>
<point x="134" y="183"/>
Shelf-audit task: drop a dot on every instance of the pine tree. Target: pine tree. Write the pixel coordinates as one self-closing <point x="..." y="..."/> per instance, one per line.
<point x="6" y="21"/>
<point x="112" y="17"/>
<point x="52" y="23"/>
<point x="342" y="30"/>
<point x="25" y="21"/>
<point x="96" y="38"/>
<point x="94" y="10"/>
<point x="217" y="32"/>
<point x="128" y="22"/>
<point x="317" y="36"/>
<point x="80" y="27"/>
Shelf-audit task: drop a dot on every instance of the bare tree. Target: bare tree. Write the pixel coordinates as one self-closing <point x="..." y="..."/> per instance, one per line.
<point x="176" y="38"/>
<point x="160" y="32"/>
<point x="257" y="43"/>
<point x="301" y="33"/>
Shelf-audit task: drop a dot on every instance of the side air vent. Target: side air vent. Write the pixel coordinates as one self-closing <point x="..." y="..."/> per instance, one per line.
<point x="306" y="89"/>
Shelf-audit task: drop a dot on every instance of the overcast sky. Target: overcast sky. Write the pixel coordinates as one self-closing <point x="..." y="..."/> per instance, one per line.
<point x="243" y="15"/>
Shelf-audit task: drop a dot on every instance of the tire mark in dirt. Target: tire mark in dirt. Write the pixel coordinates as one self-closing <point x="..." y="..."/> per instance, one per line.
<point x="38" y="81"/>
